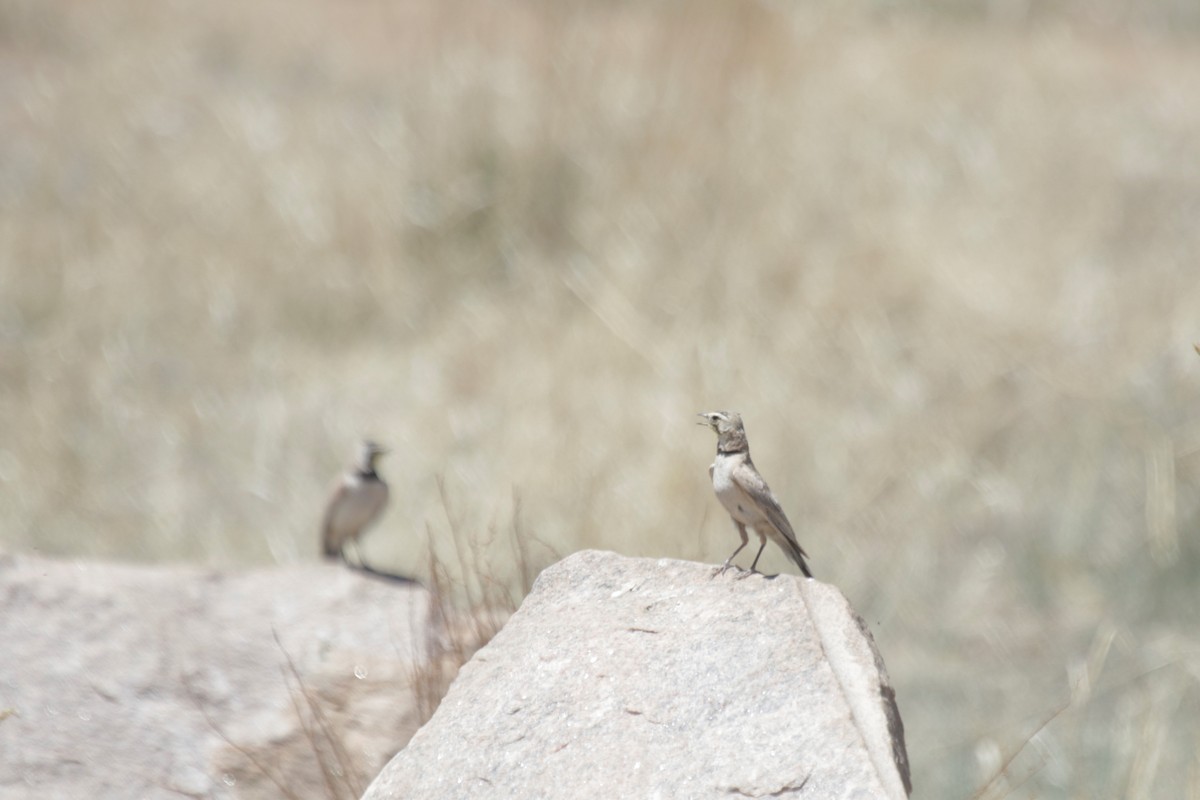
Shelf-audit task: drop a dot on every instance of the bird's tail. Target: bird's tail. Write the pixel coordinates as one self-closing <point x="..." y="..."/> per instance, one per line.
<point x="797" y="555"/>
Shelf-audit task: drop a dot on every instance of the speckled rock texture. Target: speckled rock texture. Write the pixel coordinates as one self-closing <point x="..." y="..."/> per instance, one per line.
<point x="623" y="677"/>
<point x="153" y="682"/>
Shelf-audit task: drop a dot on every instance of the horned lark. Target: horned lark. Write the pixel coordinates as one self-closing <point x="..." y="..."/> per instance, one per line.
<point x="745" y="494"/>
<point x="357" y="501"/>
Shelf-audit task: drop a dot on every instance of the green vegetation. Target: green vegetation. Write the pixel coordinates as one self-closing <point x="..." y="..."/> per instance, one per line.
<point x="945" y="264"/>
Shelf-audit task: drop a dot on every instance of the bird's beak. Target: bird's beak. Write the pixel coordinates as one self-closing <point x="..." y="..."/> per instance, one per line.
<point x="704" y="420"/>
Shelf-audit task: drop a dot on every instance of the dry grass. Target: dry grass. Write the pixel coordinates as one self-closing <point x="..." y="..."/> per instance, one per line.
<point x="325" y="768"/>
<point x="945" y="263"/>
<point x="476" y="582"/>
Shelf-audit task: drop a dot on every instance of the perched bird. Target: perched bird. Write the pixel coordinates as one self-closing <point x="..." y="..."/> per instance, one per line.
<point x="745" y="494"/>
<point x="357" y="501"/>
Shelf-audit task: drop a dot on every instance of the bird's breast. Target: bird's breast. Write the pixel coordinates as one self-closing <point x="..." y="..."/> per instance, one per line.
<point x="731" y="496"/>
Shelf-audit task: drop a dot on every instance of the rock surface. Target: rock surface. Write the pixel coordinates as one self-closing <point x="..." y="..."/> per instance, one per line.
<point x="627" y="677"/>
<point x="172" y="682"/>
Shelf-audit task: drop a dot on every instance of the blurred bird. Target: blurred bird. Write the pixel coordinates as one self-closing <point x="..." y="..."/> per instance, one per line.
<point x="745" y="494"/>
<point x="356" y="502"/>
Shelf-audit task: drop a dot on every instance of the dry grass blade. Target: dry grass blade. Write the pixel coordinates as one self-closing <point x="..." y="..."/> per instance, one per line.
<point x="1004" y="767"/>
<point x="469" y="602"/>
<point x="276" y="779"/>
<point x="337" y="770"/>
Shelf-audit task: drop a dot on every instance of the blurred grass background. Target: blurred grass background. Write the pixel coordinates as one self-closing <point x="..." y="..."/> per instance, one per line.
<point x="943" y="256"/>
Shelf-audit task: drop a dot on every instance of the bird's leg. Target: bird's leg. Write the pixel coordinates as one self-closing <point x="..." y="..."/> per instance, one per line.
<point x="357" y="555"/>
<point x="729" y="561"/>
<point x="362" y="562"/>
<point x="761" y="547"/>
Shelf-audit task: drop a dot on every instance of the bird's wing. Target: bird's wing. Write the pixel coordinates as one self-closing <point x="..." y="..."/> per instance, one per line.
<point x="746" y="477"/>
<point x="329" y="537"/>
<point x="378" y="495"/>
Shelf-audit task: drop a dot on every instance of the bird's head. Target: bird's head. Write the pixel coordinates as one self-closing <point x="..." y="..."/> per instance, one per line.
<point x="368" y="453"/>
<point x="723" y="422"/>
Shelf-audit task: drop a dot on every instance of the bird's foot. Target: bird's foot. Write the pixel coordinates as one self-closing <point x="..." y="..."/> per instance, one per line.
<point x="746" y="573"/>
<point x="721" y="570"/>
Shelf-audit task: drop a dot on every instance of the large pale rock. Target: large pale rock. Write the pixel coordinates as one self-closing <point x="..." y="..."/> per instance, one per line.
<point x="637" y="678"/>
<point x="170" y="682"/>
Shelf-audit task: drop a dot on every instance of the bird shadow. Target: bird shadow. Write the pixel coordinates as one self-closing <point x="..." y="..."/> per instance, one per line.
<point x="390" y="577"/>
